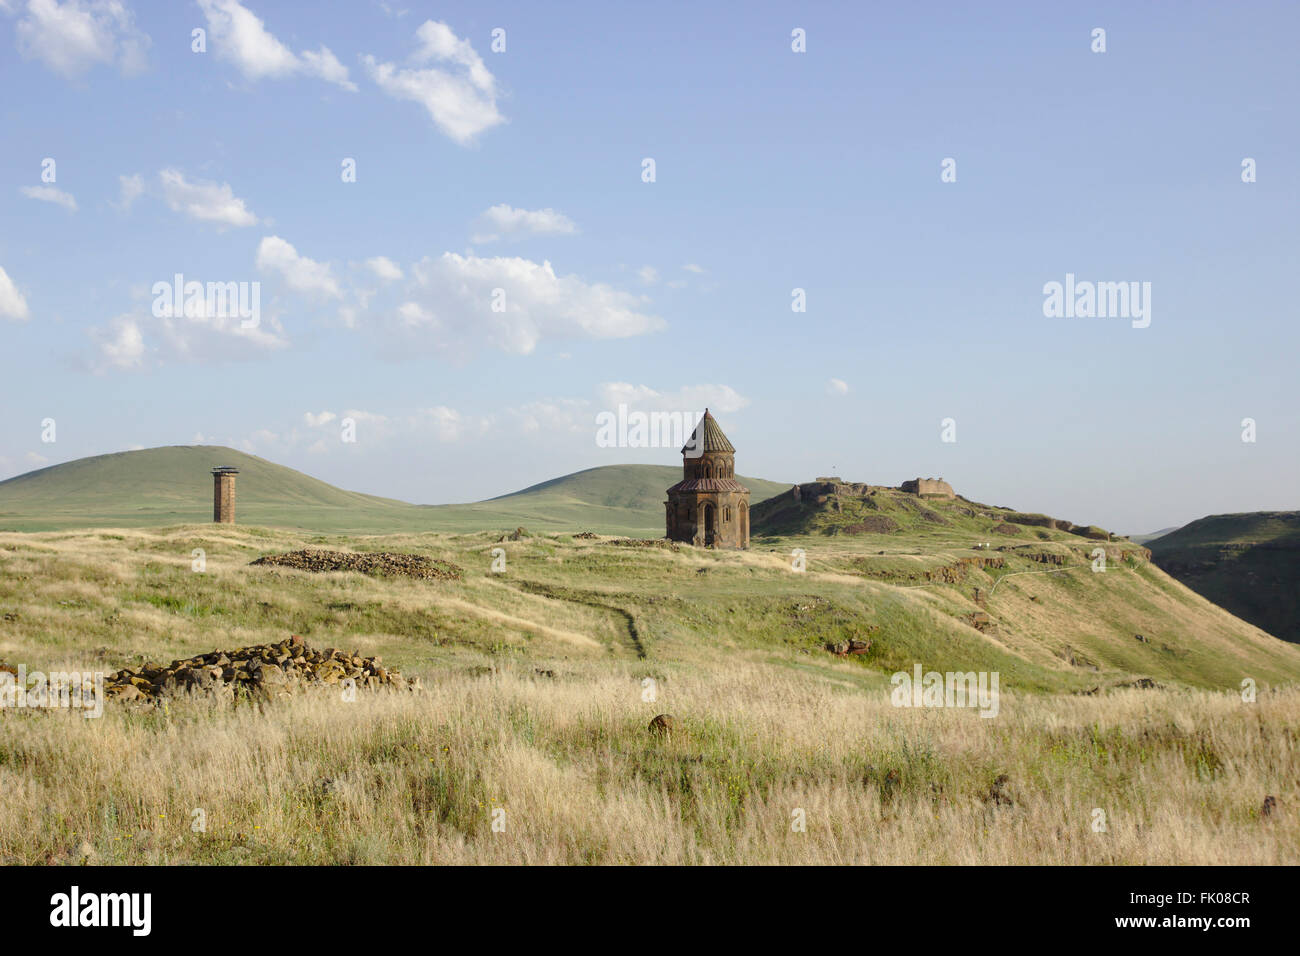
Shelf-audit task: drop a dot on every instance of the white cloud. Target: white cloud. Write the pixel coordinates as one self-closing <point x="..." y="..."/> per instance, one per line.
<point x="51" y="194"/>
<point x="461" y="99"/>
<point x="414" y="314"/>
<point x="36" y="459"/>
<point x="450" y="305"/>
<point x="73" y="36"/>
<point x="12" y="303"/>
<point x="837" y="386"/>
<point x="240" y="36"/>
<point x="384" y="267"/>
<point x="554" y="415"/>
<point x="719" y="398"/>
<point x="506" y="222"/>
<point x="315" y="421"/>
<point x="261" y="438"/>
<point x="300" y="273"/>
<point x="207" y="202"/>
<point x="692" y="267"/>
<point x="446" y="423"/>
<point x="130" y="188"/>
<point x="648" y="274"/>
<point x="121" y="345"/>
<point x="196" y="335"/>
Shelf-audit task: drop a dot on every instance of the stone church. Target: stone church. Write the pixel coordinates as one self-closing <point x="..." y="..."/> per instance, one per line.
<point x="709" y="507"/>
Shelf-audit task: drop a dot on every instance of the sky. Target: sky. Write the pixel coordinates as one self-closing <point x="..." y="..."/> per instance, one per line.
<point x="456" y="255"/>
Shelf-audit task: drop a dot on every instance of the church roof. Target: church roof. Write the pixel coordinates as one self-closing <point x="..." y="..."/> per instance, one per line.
<point x="710" y="433"/>
<point x="708" y="484"/>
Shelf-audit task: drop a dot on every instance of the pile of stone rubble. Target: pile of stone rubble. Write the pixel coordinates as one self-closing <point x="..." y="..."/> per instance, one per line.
<point x="263" y="671"/>
<point x="368" y="562"/>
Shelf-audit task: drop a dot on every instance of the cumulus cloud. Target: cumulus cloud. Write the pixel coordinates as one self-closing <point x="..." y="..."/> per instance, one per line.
<point x="554" y="415"/>
<point x="73" y="36"/>
<point x="240" y="36"/>
<point x="207" y="202"/>
<point x="120" y="345"/>
<point x="194" y="335"/>
<point x="719" y="398"/>
<point x="446" y="424"/>
<point x="130" y="188"/>
<point x="837" y="386"/>
<point x="299" y="273"/>
<point x="385" y="268"/>
<point x="315" y="421"/>
<point x="457" y="302"/>
<point x="458" y="92"/>
<point x="51" y="194"/>
<point x="506" y="222"/>
<point x="692" y="267"/>
<point x="648" y="274"/>
<point x="12" y="303"/>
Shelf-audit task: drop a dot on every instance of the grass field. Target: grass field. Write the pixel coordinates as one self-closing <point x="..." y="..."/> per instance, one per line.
<point x="534" y="704"/>
<point x="165" y="486"/>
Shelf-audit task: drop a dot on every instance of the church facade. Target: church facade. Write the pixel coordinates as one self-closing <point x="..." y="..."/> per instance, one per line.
<point x="708" y="507"/>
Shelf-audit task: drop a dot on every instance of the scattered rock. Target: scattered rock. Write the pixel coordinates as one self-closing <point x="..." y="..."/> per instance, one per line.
<point x="263" y="670"/>
<point x="1139" y="637"/>
<point x="646" y="543"/>
<point x="1270" y="804"/>
<point x="585" y="536"/>
<point x="367" y="562"/>
<point x="662" y="726"/>
<point x="519" y="534"/>
<point x="851" y="646"/>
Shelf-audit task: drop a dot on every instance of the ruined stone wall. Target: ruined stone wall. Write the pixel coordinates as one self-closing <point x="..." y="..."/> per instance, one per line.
<point x="928" y="486"/>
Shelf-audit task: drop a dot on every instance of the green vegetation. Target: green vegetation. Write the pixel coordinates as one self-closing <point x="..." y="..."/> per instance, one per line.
<point x="1118" y="689"/>
<point x="165" y="486"/>
<point x="1248" y="563"/>
<point x="535" y="705"/>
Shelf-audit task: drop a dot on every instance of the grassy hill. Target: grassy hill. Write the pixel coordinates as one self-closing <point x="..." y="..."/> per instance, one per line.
<point x="536" y="702"/>
<point x="839" y="508"/>
<point x="167" y="486"/>
<point x="1248" y="563"/>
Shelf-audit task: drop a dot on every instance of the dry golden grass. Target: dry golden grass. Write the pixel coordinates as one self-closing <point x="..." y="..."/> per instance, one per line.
<point x="1180" y="775"/>
<point x="768" y="722"/>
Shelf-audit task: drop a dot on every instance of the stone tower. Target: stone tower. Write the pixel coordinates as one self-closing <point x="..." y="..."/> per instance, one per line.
<point x="223" y="495"/>
<point x="709" y="507"/>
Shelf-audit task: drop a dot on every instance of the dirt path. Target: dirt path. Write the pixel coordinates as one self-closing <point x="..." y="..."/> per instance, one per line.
<point x="588" y="599"/>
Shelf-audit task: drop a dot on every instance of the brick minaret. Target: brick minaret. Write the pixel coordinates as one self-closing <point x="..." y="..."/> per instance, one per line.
<point x="223" y="495"/>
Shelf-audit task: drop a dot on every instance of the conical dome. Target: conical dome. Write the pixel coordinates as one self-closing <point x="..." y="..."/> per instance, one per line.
<point x="708" y="437"/>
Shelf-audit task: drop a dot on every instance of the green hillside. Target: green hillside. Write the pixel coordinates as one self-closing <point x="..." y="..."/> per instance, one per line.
<point x="846" y="508"/>
<point x="168" y="486"/>
<point x="1248" y="563"/>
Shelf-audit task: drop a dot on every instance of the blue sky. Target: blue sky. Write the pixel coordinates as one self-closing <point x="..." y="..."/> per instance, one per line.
<point x="521" y="170"/>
